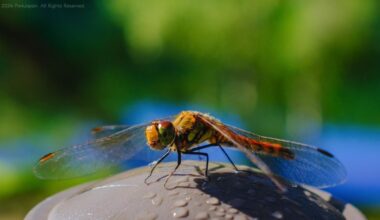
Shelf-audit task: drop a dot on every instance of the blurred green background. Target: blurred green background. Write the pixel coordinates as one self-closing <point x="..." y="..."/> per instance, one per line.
<point x="300" y="70"/>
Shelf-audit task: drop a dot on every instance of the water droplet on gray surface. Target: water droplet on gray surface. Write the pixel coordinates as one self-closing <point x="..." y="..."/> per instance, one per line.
<point x="228" y="216"/>
<point x="202" y="216"/>
<point x="149" y="195"/>
<point x="157" y="201"/>
<point x="204" y="185"/>
<point x="219" y="214"/>
<point x="213" y="201"/>
<point x="240" y="217"/>
<point x="212" y="208"/>
<point x="147" y="216"/>
<point x="180" y="203"/>
<point x="221" y="210"/>
<point x="232" y="211"/>
<point x="188" y="198"/>
<point x="180" y="212"/>
<point x="307" y="193"/>
<point x="277" y="215"/>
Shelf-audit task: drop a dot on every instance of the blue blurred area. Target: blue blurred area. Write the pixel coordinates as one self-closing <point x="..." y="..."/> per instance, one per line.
<point x="357" y="147"/>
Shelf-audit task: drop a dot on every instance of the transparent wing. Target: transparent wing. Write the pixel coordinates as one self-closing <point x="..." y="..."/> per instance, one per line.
<point x="229" y="135"/>
<point x="104" y="131"/>
<point x="88" y="158"/>
<point x="312" y="166"/>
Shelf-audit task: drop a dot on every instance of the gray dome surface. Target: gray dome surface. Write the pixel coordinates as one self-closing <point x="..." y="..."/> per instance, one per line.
<point x="226" y="195"/>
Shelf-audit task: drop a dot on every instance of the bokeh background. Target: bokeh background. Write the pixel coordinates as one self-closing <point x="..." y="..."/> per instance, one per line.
<point x="301" y="70"/>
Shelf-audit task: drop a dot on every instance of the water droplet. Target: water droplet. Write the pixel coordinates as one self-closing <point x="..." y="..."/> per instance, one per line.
<point x="240" y="217"/>
<point x="202" y="216"/>
<point x="232" y="211"/>
<point x="221" y="210"/>
<point x="147" y="216"/>
<point x="212" y="208"/>
<point x="307" y="193"/>
<point x="188" y="198"/>
<point x="180" y="212"/>
<point x="180" y="203"/>
<point x="219" y="214"/>
<point x="149" y="195"/>
<point x="277" y="215"/>
<point x="213" y="201"/>
<point x="157" y="201"/>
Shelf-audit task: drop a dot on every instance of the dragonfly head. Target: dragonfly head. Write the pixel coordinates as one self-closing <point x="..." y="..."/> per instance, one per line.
<point x="160" y="134"/>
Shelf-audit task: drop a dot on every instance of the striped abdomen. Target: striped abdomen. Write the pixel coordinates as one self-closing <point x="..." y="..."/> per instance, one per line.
<point x="273" y="149"/>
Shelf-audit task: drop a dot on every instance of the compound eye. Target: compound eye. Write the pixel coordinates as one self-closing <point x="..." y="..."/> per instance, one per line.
<point x="164" y="127"/>
<point x="166" y="131"/>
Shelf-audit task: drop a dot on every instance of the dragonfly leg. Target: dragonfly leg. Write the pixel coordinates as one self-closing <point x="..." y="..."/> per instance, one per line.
<point x="200" y="154"/>
<point x="203" y="147"/>
<point x="228" y="157"/>
<point x="155" y="165"/>
<point x="179" y="160"/>
<point x="221" y="148"/>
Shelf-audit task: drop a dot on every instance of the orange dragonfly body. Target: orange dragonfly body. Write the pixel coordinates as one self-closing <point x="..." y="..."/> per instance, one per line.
<point x="184" y="134"/>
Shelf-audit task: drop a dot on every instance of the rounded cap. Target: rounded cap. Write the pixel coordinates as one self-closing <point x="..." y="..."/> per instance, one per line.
<point x="226" y="195"/>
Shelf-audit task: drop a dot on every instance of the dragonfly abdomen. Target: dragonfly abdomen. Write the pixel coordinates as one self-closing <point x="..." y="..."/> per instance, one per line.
<point x="265" y="147"/>
<point x="273" y="149"/>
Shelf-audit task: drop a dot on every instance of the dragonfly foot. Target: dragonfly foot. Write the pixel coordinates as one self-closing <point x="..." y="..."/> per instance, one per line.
<point x="146" y="181"/>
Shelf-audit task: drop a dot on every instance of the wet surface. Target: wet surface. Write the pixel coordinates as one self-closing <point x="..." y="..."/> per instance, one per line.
<point x="227" y="195"/>
<point x="254" y="195"/>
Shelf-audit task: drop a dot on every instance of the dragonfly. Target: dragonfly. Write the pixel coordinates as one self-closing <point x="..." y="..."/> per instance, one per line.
<point x="187" y="134"/>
